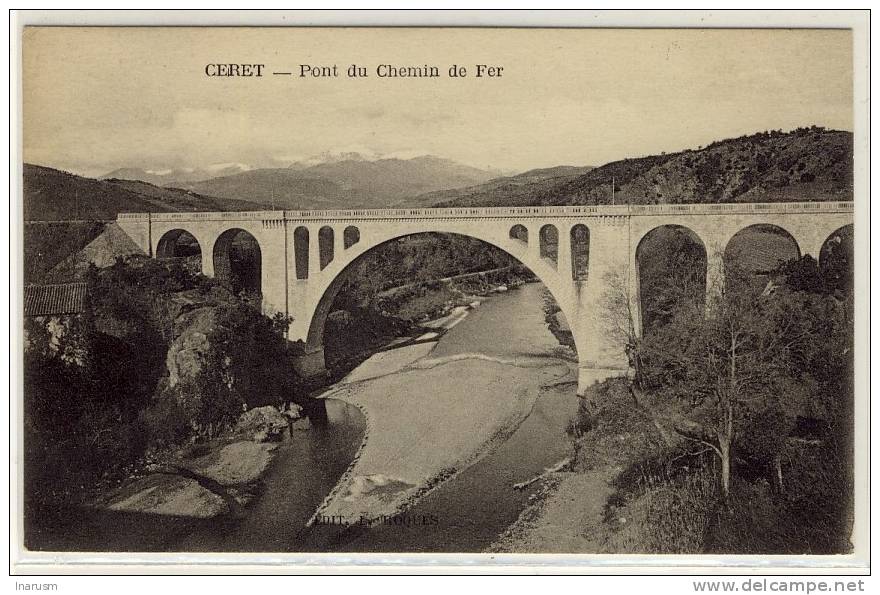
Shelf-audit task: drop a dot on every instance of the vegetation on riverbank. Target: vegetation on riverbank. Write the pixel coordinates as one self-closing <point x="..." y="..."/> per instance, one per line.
<point x="161" y="358"/>
<point x="735" y="436"/>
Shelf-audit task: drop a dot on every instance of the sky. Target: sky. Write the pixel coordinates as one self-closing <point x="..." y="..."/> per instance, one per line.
<point x="96" y="99"/>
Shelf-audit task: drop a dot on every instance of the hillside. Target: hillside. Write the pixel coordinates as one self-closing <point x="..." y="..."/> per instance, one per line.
<point x="511" y="188"/>
<point x="283" y="187"/>
<point x="802" y="165"/>
<point x="53" y="198"/>
<point x="345" y="183"/>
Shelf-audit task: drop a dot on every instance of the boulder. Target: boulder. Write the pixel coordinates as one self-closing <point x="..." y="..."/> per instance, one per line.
<point x="341" y="317"/>
<point x="263" y="423"/>
<point x="184" y="302"/>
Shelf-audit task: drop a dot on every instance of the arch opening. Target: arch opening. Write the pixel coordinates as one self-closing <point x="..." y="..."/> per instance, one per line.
<point x="301" y="252"/>
<point x="325" y="246"/>
<point x="351" y="236"/>
<point x="836" y="260"/>
<point x="180" y="244"/>
<point x="549" y="238"/>
<point x="671" y="263"/>
<point x="411" y="293"/>
<point x="755" y="252"/>
<point x="519" y="232"/>
<point x="580" y="252"/>
<point x="238" y="261"/>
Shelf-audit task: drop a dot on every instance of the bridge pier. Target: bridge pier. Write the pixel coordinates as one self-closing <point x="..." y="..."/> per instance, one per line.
<point x="587" y="377"/>
<point x="310" y="363"/>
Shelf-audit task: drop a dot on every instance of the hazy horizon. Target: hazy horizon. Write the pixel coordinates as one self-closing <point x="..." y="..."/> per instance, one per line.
<point x="96" y="100"/>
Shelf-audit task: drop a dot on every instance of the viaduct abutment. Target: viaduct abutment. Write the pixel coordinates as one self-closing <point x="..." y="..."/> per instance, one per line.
<point x="305" y="253"/>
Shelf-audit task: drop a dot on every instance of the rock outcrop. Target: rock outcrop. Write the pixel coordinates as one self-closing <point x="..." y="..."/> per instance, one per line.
<point x="188" y="351"/>
<point x="195" y="317"/>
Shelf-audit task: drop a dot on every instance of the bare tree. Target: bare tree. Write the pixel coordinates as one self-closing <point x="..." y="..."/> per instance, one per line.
<point x="619" y="307"/>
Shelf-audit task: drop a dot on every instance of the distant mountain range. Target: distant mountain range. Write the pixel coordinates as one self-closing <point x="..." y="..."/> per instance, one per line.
<point x="348" y="180"/>
<point x="176" y="178"/>
<point x="802" y="165"/>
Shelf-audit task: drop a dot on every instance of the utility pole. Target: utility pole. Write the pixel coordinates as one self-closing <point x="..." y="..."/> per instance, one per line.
<point x="612" y="190"/>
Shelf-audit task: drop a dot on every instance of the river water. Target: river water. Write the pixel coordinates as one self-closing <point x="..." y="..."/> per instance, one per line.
<point x="468" y="512"/>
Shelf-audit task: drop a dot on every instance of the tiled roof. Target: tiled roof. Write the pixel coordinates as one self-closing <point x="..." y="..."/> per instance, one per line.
<point x="48" y="300"/>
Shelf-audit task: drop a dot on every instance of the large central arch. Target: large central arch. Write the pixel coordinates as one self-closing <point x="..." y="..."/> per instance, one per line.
<point x="322" y="310"/>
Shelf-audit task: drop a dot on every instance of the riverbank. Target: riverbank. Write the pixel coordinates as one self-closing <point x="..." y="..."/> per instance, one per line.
<point x="220" y="481"/>
<point x="221" y="477"/>
<point x="580" y="509"/>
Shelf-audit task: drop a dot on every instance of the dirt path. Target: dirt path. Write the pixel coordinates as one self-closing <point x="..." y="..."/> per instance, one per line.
<point x="566" y="518"/>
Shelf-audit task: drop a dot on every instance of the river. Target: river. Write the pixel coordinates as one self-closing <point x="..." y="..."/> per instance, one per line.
<point x="469" y="511"/>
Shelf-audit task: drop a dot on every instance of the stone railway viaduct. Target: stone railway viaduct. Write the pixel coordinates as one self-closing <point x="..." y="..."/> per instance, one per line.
<point x="305" y="253"/>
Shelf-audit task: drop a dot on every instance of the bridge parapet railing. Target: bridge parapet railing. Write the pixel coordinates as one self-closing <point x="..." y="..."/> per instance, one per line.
<point x="217" y="215"/>
<point x="578" y="210"/>
<point x="507" y="212"/>
<point x="743" y="208"/>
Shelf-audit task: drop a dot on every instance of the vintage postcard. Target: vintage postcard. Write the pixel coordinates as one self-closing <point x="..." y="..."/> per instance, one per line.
<point x="296" y="295"/>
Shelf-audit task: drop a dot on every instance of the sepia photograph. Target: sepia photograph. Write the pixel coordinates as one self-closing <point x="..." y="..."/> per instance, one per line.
<point x="486" y="291"/>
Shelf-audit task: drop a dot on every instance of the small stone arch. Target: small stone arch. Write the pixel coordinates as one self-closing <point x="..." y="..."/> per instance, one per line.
<point x="837" y="258"/>
<point x="519" y="232"/>
<point x="549" y="242"/>
<point x="580" y="252"/>
<point x="669" y="252"/>
<point x="238" y="261"/>
<point x="325" y="246"/>
<point x="351" y="236"/>
<point x="757" y="250"/>
<point x="181" y="244"/>
<point x="301" y="252"/>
